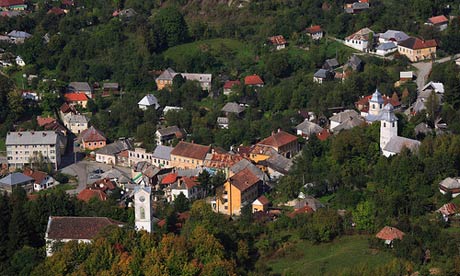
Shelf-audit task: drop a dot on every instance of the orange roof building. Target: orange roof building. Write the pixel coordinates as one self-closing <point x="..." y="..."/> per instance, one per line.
<point x="284" y="143"/>
<point x="86" y="195"/>
<point x="416" y="49"/>
<point x="315" y="32"/>
<point x="76" y="99"/>
<point x="388" y="234"/>
<point x="92" y="139"/>
<point x="278" y="41"/>
<point x="188" y="155"/>
<point x="438" y="20"/>
<point x="253" y="80"/>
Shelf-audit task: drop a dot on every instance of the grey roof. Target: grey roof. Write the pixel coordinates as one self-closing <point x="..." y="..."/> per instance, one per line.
<point x="438" y="87"/>
<point x="162" y="152"/>
<point x="386" y="46"/>
<point x="149" y="100"/>
<point x="167" y="131"/>
<point x="309" y="128"/>
<point x="243" y="164"/>
<point x="450" y="183"/>
<point x="222" y="120"/>
<point x="387" y="114"/>
<point x="344" y="115"/>
<point x="354" y="62"/>
<point x="397" y="143"/>
<point x="422" y="128"/>
<point x="419" y="105"/>
<point x="360" y="6"/>
<point x="308" y="200"/>
<point x="232" y="108"/>
<point x="278" y="163"/>
<point x="197" y="77"/>
<point x="19" y="34"/>
<point x="16" y="178"/>
<point x="32" y="138"/>
<point x="111" y="85"/>
<point x="394" y="35"/>
<point x="128" y="12"/>
<point x="79" y="86"/>
<point x="189" y="172"/>
<point x="121" y="176"/>
<point x="167" y="74"/>
<point x="377" y="97"/>
<point x="331" y="63"/>
<point x="77" y="118"/>
<point x="349" y="124"/>
<point x="324" y="74"/>
<point x="116" y="147"/>
<point x="148" y="189"/>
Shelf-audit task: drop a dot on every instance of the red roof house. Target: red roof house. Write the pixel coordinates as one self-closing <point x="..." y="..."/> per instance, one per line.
<point x="76" y="99"/>
<point x="9" y="3"/>
<point x="389" y="234"/>
<point x="92" y="139"/>
<point x="438" y="20"/>
<point x="169" y="179"/>
<point x="42" y="121"/>
<point x="253" y="80"/>
<point x="278" y="41"/>
<point x="228" y="86"/>
<point x="284" y="143"/>
<point x="87" y="194"/>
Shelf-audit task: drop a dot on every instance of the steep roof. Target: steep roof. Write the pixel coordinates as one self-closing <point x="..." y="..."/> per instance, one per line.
<point x="390" y="233"/>
<point x="15" y="178"/>
<point x="440" y="19"/>
<point x="149" y="100"/>
<point x="76" y="97"/>
<point x="308" y="128"/>
<point x="277" y="40"/>
<point x="230" y="83"/>
<point x="41" y="121"/>
<point x="87" y="194"/>
<point x="314" y="29"/>
<point x="116" y="147"/>
<point x="262" y="200"/>
<point x="377" y="97"/>
<point x="278" y="139"/>
<point x="438" y="87"/>
<point x="92" y="135"/>
<point x="362" y="34"/>
<point x="450" y="183"/>
<point x="74" y="228"/>
<point x="394" y="35"/>
<point x="415" y="43"/>
<point x="244" y="180"/>
<point x="191" y="150"/>
<point x="387" y="113"/>
<point x="253" y="80"/>
<point x="448" y="209"/>
<point x="38" y="176"/>
<point x="232" y="108"/>
<point x="167" y="74"/>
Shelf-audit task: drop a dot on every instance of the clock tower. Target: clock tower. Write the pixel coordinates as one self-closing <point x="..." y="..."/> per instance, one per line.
<point x="143" y="208"/>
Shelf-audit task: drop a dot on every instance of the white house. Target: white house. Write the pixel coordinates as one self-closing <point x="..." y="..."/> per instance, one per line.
<point x="342" y="117"/>
<point x="148" y="101"/>
<point x="360" y="39"/>
<point x="20" y="61"/>
<point x="187" y="186"/>
<point x="392" y="36"/>
<point x="451" y="185"/>
<point x="42" y="180"/>
<point x="386" y="48"/>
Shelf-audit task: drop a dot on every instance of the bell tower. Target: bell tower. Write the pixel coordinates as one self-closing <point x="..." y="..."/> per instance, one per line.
<point x="388" y="125"/>
<point x="143" y="208"/>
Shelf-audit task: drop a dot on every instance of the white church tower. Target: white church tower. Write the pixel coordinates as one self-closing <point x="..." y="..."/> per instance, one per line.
<point x="143" y="208"/>
<point x="388" y="125"/>
<point x="376" y="103"/>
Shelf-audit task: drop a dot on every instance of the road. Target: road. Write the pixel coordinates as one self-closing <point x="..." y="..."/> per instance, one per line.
<point x="424" y="69"/>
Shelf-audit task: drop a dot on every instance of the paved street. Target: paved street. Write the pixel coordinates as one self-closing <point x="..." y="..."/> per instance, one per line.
<point x="424" y="69"/>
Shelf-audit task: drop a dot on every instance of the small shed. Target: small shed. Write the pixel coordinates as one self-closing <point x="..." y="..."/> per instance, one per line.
<point x="389" y="234"/>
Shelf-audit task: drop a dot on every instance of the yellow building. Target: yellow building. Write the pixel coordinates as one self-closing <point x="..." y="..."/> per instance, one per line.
<point x="260" y="204"/>
<point x="282" y="142"/>
<point x="416" y="49"/>
<point x="240" y="189"/>
<point x="188" y="155"/>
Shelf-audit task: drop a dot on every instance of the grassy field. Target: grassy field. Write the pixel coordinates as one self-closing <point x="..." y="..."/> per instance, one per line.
<point x="216" y="47"/>
<point x="305" y="258"/>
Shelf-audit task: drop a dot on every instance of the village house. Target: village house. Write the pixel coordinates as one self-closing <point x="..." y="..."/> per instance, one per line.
<point x="239" y="190"/>
<point x="221" y="161"/>
<point x="15" y="180"/>
<point x="75" y="99"/>
<point x="166" y="135"/>
<point x="439" y="22"/>
<point x="88" y="194"/>
<point x="13" y="5"/>
<point x="42" y="121"/>
<point x="392" y="36"/>
<point x="166" y="78"/>
<point x="147" y="101"/>
<point x="282" y="142"/>
<point x="342" y="118"/>
<point x="389" y="234"/>
<point x="188" y="186"/>
<point x="331" y="64"/>
<point x="229" y="86"/>
<point x="81" y="88"/>
<point x="356" y="7"/>
<point x="323" y="75"/>
<point x="24" y="145"/>
<point x="416" y="49"/>
<point x="188" y="155"/>
<point x="161" y="156"/>
<point x="276" y="166"/>
<point x="260" y="204"/>
<point x="113" y="153"/>
<point x="76" y="123"/>
<point x="253" y="81"/>
<point x="65" y="109"/>
<point x="386" y="48"/>
<point x="18" y="37"/>
<point x="278" y="42"/>
<point x="450" y="185"/>
<point x="80" y="229"/>
<point x="110" y="88"/>
<point x="92" y="139"/>
<point x="233" y="108"/>
<point x="436" y="88"/>
<point x="448" y="210"/>
<point x="354" y="63"/>
<point x="315" y="32"/>
<point x="42" y="180"/>
<point x="360" y="40"/>
<point x="306" y="129"/>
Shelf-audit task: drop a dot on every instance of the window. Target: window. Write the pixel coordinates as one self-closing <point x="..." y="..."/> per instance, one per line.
<point x="373" y="105"/>
<point x="384" y="124"/>
<point x="142" y="211"/>
<point x="393" y="124"/>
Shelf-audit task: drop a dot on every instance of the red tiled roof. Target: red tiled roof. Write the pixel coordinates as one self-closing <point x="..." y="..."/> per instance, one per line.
<point x="244" y="180"/>
<point x="229" y="84"/>
<point x="304" y="210"/>
<point x="390" y="233"/>
<point x="191" y="150"/>
<point x="323" y="135"/>
<point x="277" y="40"/>
<point x="56" y="11"/>
<point x="75" y="228"/>
<point x="253" y="80"/>
<point x="92" y="135"/>
<point x="314" y="29"/>
<point x="222" y="160"/>
<point x="7" y="3"/>
<point x="278" y="139"/>
<point x="104" y="184"/>
<point x="38" y="176"/>
<point x="66" y="108"/>
<point x="190" y="182"/>
<point x="364" y="101"/>
<point x="448" y="209"/>
<point x="41" y="121"/>
<point x="87" y="194"/>
<point x="169" y="179"/>
<point x="76" y="97"/>
<point x="440" y="19"/>
<point x="415" y="43"/>
<point x="262" y="199"/>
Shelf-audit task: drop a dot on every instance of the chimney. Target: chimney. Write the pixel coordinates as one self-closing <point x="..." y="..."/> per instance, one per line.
<point x="20" y="134"/>
<point x="279" y="129"/>
<point x="44" y="134"/>
<point x="32" y="133"/>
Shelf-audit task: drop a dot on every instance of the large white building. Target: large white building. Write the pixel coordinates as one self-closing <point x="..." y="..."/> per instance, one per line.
<point x="143" y="208"/>
<point x="24" y="145"/>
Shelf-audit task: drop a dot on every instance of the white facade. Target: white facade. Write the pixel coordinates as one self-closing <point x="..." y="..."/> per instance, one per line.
<point x="360" y="45"/>
<point x="48" y="182"/>
<point x="388" y="129"/>
<point x="139" y="155"/>
<point x="143" y="208"/>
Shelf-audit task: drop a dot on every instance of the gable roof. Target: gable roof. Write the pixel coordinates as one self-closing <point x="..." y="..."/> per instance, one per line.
<point x="116" y="147"/>
<point x="87" y="194"/>
<point x="331" y="62"/>
<point x="450" y="183"/>
<point x="92" y="135"/>
<point x="303" y="210"/>
<point x="79" y="86"/>
<point x="386" y="46"/>
<point x="76" y="97"/>
<point x="324" y="74"/>
<point x="344" y="115"/>
<point x="15" y="178"/>
<point x="438" y="87"/>
<point x="278" y="163"/>
<point x="253" y="80"/>
<point x="390" y="233"/>
<point x="362" y="34"/>
<point x="448" y="209"/>
<point x="278" y="139"/>
<point x="172" y="130"/>
<point x="314" y="29"/>
<point x="18" y="34"/>
<point x="167" y="74"/>
<point x="415" y="43"/>
<point x="162" y="152"/>
<point x="191" y="150"/>
<point x="394" y="35"/>
<point x="41" y="121"/>
<point x="38" y="176"/>
<point x="230" y="83"/>
<point x="149" y="100"/>
<point x="261" y="200"/>
<point x="440" y="19"/>
<point x="397" y="143"/>
<point x="77" y="118"/>
<point x="221" y="160"/>
<point x="75" y="228"/>
<point x="232" y="107"/>
<point x="277" y="40"/>
<point x="244" y="180"/>
<point x="246" y="164"/>
<point x="323" y="135"/>
<point x="169" y="179"/>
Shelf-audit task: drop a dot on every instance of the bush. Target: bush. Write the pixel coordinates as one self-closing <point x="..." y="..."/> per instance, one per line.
<point x="62" y="178"/>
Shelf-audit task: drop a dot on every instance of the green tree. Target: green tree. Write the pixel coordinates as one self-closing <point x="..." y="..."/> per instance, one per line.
<point x="170" y="26"/>
<point x="181" y="203"/>
<point x="364" y="216"/>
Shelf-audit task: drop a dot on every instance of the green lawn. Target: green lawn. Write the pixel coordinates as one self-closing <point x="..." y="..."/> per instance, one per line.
<point x="304" y="258"/>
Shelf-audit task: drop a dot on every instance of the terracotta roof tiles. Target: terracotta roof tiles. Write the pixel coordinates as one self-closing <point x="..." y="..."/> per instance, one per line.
<point x="76" y="97"/>
<point x="244" y="180"/>
<point x="440" y="19"/>
<point x="169" y="179"/>
<point x="75" y="228"/>
<point x="390" y="233"/>
<point x="415" y="43"/>
<point x="314" y="29"/>
<point x="87" y="194"/>
<point x="229" y="84"/>
<point x="253" y="80"/>
<point x="92" y="135"/>
<point x="278" y="139"/>
<point x="277" y="40"/>
<point x="191" y="150"/>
